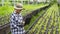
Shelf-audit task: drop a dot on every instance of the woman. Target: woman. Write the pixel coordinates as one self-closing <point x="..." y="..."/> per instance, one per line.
<point x="16" y="20"/>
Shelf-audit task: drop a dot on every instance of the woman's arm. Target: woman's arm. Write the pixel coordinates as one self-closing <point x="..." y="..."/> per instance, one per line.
<point x="12" y="21"/>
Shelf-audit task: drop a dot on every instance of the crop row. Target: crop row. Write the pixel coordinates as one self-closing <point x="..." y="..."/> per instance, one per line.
<point x="48" y="23"/>
<point x="5" y="12"/>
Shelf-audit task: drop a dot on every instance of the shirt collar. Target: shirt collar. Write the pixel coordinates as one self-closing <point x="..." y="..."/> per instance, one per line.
<point x="15" y="13"/>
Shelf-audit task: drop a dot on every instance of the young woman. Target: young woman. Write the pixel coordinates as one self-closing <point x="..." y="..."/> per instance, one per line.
<point x="16" y="20"/>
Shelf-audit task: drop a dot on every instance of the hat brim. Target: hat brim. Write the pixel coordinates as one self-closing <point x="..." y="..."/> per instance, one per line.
<point x="18" y="8"/>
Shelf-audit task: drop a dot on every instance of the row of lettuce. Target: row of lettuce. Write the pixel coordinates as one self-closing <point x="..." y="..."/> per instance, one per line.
<point x="48" y="23"/>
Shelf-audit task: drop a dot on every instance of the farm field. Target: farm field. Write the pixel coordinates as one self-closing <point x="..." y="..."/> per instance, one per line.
<point x="33" y="19"/>
<point x="7" y="11"/>
<point x="49" y="23"/>
<point x="40" y="16"/>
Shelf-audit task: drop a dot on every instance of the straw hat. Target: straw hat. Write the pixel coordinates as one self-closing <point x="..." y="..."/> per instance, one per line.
<point x="18" y="6"/>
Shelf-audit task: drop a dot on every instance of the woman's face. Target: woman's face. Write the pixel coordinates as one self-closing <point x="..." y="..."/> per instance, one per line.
<point x="18" y="11"/>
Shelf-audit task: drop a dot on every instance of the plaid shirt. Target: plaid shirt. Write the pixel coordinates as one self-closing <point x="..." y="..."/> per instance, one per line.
<point x="16" y="24"/>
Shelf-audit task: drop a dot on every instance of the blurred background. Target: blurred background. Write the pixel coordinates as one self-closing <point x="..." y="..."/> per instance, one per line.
<point x="33" y="9"/>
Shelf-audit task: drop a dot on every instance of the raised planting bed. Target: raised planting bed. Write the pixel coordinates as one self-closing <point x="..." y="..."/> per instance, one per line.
<point x="33" y="18"/>
<point x="2" y="28"/>
<point x="48" y="23"/>
<point x="6" y="11"/>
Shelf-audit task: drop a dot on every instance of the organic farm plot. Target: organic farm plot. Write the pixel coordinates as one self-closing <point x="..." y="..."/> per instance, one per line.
<point x="26" y="27"/>
<point x="33" y="19"/>
<point x="28" y="8"/>
<point x="7" y="10"/>
<point x="49" y="23"/>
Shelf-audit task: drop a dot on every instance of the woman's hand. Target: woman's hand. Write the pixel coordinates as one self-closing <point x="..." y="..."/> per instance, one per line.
<point x="23" y="22"/>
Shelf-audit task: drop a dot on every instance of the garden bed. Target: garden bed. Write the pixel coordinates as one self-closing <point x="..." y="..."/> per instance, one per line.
<point x="25" y="17"/>
<point x="48" y="23"/>
<point x="5" y="14"/>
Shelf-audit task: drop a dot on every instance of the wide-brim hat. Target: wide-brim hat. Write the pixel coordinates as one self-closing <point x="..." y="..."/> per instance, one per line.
<point x="18" y="6"/>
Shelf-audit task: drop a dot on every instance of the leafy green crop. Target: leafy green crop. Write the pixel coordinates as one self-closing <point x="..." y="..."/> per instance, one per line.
<point x="6" y="10"/>
<point x="48" y="23"/>
<point x="30" y="7"/>
<point x="33" y="19"/>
